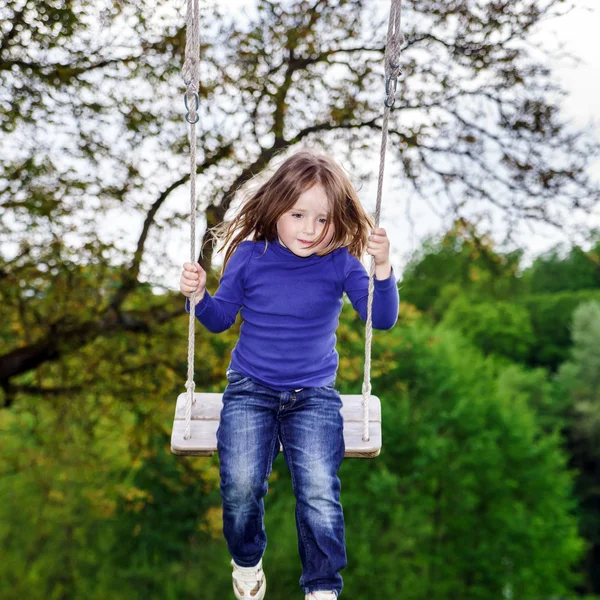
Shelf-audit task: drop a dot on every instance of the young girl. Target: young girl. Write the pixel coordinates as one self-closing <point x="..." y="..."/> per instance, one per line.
<point x="293" y="250"/>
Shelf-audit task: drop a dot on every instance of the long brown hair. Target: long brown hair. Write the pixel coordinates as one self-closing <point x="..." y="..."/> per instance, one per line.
<point x="257" y="217"/>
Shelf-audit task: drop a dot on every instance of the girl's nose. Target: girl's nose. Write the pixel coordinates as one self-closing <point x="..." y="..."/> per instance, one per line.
<point x="309" y="227"/>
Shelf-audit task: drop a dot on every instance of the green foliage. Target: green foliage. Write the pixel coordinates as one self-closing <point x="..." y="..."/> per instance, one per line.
<point x="475" y="481"/>
<point x="467" y="285"/>
<point x="533" y="329"/>
<point x="580" y="376"/>
<point x="551" y="316"/>
<point x="579" y="385"/>
<point x="470" y="496"/>
<point x="500" y="328"/>
<point x="563" y="269"/>
<point x="538" y="390"/>
<point x="460" y="262"/>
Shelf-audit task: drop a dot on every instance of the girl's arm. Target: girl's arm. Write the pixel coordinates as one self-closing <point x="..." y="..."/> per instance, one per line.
<point x="386" y="298"/>
<point x="218" y="313"/>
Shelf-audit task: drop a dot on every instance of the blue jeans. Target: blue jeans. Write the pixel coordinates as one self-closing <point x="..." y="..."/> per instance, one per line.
<point x="254" y="419"/>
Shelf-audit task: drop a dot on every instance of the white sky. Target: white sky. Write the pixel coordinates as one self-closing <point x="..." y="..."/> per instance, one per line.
<point x="574" y="34"/>
<point x="578" y="32"/>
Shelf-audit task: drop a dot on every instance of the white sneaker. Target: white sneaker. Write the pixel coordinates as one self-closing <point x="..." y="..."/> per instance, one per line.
<point x="249" y="582"/>
<point x="321" y="596"/>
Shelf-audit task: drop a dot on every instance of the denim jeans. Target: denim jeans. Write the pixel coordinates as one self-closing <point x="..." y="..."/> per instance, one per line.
<point x="254" y="419"/>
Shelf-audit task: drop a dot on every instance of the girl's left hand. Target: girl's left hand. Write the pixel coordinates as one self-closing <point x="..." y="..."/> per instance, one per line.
<point x="378" y="246"/>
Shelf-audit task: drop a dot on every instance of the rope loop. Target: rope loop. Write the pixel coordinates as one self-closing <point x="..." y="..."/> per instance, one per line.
<point x="191" y="74"/>
<point x="395" y="40"/>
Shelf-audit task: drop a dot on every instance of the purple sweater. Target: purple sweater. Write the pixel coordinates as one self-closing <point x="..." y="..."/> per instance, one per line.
<point x="290" y="309"/>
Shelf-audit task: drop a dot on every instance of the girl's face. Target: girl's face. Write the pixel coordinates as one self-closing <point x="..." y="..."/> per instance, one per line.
<point x="300" y="226"/>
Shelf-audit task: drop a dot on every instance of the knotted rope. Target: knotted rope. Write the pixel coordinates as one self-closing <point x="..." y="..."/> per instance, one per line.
<point x="191" y="77"/>
<point x="395" y="39"/>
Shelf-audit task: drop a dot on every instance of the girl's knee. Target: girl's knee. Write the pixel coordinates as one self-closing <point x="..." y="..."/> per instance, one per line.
<point x="242" y="487"/>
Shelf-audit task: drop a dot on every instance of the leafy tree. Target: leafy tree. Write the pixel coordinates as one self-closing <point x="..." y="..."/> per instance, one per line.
<point x="461" y="261"/>
<point x="581" y="374"/>
<point x="551" y="316"/>
<point x="532" y="329"/>
<point x="463" y="281"/>
<point x="579" y="380"/>
<point x="563" y="269"/>
<point x="500" y="328"/>
<point x="482" y="500"/>
<point x="93" y="127"/>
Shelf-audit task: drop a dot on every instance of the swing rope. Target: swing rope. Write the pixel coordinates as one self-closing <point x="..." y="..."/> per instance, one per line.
<point x="191" y="77"/>
<point x="395" y="39"/>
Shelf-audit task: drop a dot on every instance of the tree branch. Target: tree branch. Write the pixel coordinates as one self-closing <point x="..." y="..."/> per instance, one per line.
<point x="130" y="276"/>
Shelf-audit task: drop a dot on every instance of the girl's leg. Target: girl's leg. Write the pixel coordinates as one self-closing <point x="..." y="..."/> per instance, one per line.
<point x="312" y="432"/>
<point x="247" y="444"/>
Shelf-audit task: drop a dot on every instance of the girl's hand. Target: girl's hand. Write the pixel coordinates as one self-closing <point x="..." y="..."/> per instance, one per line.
<point x="379" y="246"/>
<point x="193" y="278"/>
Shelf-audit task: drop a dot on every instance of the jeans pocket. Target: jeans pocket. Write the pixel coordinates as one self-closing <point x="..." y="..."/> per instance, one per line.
<point x="236" y="379"/>
<point x="329" y="392"/>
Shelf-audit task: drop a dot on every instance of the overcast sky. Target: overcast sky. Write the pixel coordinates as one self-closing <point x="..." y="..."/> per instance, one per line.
<point x="578" y="31"/>
<point x="576" y="34"/>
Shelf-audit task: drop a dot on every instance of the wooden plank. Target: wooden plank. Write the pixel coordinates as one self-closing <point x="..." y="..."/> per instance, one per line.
<point x="202" y="443"/>
<point x="205" y="422"/>
<point x="204" y="439"/>
<point x="208" y="406"/>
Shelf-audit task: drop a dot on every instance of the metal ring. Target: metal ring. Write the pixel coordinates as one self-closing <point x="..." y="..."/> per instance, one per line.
<point x="387" y="102"/>
<point x="387" y="84"/>
<point x="185" y="101"/>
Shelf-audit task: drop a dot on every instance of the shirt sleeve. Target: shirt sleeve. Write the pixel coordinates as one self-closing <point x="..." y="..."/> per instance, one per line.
<point x="218" y="313"/>
<point x="386" y="298"/>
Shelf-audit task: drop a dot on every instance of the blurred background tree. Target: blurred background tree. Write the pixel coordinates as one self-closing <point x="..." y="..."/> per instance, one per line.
<point x="472" y="493"/>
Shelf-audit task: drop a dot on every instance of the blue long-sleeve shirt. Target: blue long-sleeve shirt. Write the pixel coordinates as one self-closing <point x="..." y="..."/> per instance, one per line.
<point x="290" y="308"/>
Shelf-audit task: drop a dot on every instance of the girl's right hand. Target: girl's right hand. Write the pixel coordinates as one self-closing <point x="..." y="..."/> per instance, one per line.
<point x="193" y="278"/>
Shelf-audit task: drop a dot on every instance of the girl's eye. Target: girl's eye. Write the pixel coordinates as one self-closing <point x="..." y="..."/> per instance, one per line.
<point x="299" y="216"/>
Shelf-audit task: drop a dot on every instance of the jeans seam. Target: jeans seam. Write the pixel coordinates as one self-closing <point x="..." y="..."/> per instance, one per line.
<point x="271" y="459"/>
<point x="301" y="526"/>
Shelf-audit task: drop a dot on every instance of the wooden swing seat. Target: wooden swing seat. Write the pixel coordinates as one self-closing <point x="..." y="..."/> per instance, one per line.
<point x="206" y="411"/>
